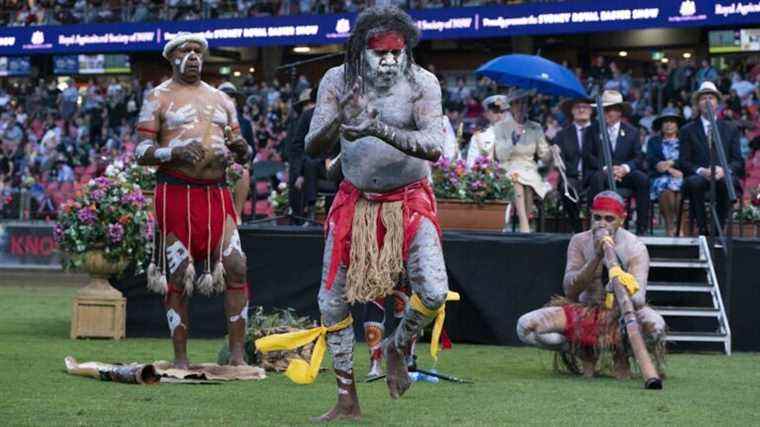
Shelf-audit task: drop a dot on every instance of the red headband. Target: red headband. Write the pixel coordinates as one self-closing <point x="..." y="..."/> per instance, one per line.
<point x="608" y="204"/>
<point x="390" y="40"/>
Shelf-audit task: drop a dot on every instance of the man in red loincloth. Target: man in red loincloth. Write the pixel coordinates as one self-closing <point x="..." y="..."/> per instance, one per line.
<point x="580" y="325"/>
<point x="190" y="131"/>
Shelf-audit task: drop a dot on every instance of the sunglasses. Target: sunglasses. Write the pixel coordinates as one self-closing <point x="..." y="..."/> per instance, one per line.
<point x="607" y="218"/>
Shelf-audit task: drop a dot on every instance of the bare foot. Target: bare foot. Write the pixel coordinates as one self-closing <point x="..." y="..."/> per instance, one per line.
<point x="347" y="407"/>
<point x="237" y="361"/>
<point x="70" y="363"/>
<point x="181" y="364"/>
<point x="375" y="370"/>
<point x="398" y="376"/>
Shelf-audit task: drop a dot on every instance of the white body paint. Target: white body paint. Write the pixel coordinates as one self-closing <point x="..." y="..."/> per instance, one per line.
<point x="148" y="110"/>
<point x="243" y="315"/>
<point x="384" y="68"/>
<point x="174" y="320"/>
<point x="179" y="142"/>
<point x="219" y="116"/>
<point x="185" y="115"/>
<point x="163" y="154"/>
<point x="234" y="245"/>
<point x="176" y="254"/>
<point x="143" y="147"/>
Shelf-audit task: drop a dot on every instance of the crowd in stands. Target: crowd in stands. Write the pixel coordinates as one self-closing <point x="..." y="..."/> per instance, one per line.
<point x="55" y="138"/>
<point x="58" y="12"/>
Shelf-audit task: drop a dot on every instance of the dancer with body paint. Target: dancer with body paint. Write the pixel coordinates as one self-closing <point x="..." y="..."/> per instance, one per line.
<point x="586" y="324"/>
<point x="190" y="131"/>
<point x="386" y="112"/>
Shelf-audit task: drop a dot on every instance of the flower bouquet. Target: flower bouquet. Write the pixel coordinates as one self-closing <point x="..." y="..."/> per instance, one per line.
<point x="128" y="170"/>
<point x="233" y="174"/>
<point x="485" y="181"/>
<point x="278" y="199"/>
<point x="107" y="217"/>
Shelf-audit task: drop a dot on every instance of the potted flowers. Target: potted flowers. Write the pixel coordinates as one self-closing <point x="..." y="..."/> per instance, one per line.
<point x="278" y="199"/>
<point x="473" y="199"/>
<point x="747" y="220"/>
<point x="104" y="228"/>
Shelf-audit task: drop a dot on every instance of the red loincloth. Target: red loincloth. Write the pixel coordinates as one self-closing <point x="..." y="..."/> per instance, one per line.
<point x="581" y="325"/>
<point x="205" y="202"/>
<point x="419" y="203"/>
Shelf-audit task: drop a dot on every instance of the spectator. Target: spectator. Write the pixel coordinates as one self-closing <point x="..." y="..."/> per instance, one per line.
<point x="706" y="73"/>
<point x="627" y="161"/>
<point x="665" y="172"/>
<point x="695" y="159"/>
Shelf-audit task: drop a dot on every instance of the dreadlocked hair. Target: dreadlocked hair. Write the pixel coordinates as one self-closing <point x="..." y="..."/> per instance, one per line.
<point x="371" y="21"/>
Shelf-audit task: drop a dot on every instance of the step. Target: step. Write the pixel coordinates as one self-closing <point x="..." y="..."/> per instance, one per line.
<point x="676" y="263"/>
<point x="687" y="311"/>
<point x="679" y="287"/>
<point x="697" y="336"/>
<point x="670" y="241"/>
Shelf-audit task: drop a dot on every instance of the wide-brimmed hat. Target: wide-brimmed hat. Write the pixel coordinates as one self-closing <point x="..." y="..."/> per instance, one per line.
<point x="705" y="88"/>
<point x="611" y="98"/>
<point x="496" y="102"/>
<point x="667" y="113"/>
<point x="567" y="105"/>
<point x="179" y="40"/>
<point x="228" y="88"/>
<point x="304" y="96"/>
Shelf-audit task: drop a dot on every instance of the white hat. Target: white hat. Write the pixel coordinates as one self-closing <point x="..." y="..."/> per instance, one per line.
<point x="498" y="101"/>
<point x="611" y="98"/>
<point x="704" y="88"/>
<point x="179" y="40"/>
<point x="227" y="87"/>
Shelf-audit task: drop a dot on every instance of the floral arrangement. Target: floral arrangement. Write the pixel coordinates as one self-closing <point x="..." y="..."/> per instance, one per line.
<point x="234" y="173"/>
<point x="279" y="199"/>
<point x="128" y="170"/>
<point x="107" y="214"/>
<point x="484" y="181"/>
<point x="751" y="212"/>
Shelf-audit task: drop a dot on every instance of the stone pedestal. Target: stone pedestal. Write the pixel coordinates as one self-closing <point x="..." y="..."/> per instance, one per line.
<point x="99" y="310"/>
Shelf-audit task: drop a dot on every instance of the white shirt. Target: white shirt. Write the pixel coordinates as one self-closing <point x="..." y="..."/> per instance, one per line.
<point x="613" y="131"/>
<point x="481" y="144"/>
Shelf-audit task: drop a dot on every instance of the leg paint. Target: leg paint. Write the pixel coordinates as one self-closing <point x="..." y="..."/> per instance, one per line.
<point x="177" y="317"/>
<point x="334" y="308"/>
<point x="542" y="328"/>
<point x="236" y="309"/>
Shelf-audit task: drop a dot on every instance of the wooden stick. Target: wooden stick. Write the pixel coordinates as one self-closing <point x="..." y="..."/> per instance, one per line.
<point x="652" y="380"/>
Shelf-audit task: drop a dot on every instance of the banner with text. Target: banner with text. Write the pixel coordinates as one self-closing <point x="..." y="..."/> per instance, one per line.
<point x="28" y="245"/>
<point x="447" y="23"/>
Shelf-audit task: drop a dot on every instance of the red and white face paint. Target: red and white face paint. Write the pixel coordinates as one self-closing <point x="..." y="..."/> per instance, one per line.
<point x="386" y="58"/>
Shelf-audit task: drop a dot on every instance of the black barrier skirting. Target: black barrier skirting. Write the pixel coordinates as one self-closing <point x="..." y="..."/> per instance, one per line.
<point x="500" y="277"/>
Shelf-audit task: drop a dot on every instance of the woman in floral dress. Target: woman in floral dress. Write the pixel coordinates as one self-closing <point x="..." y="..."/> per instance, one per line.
<point x="662" y="158"/>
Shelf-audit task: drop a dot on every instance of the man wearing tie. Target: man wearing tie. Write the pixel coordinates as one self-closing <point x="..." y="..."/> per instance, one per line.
<point x="627" y="160"/>
<point x="695" y="157"/>
<point x="570" y="142"/>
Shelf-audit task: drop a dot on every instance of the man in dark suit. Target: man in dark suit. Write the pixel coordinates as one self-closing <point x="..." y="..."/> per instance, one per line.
<point x="297" y="159"/>
<point x="570" y="142"/>
<point x="627" y="160"/>
<point x="695" y="158"/>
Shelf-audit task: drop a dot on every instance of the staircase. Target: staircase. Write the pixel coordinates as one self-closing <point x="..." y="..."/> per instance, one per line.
<point x="683" y="288"/>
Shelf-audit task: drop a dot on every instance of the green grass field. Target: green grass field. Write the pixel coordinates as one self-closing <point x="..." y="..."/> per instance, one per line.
<point x="512" y="385"/>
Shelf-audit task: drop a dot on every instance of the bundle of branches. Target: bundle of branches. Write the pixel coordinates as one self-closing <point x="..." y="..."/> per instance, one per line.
<point x="262" y="324"/>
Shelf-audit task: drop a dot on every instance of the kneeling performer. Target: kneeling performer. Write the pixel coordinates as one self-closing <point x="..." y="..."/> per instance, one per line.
<point x="190" y="131"/>
<point x="386" y="112"/>
<point x="585" y="324"/>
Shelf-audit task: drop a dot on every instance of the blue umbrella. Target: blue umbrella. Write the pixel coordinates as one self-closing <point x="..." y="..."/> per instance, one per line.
<point x="533" y="72"/>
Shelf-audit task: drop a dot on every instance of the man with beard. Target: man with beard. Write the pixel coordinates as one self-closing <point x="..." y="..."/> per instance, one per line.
<point x="583" y="325"/>
<point x="386" y="112"/>
<point x="190" y="131"/>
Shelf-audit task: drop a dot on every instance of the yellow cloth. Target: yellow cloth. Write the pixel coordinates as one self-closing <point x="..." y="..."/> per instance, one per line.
<point x="298" y="370"/>
<point x="440" y="316"/>
<point x="625" y="279"/>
